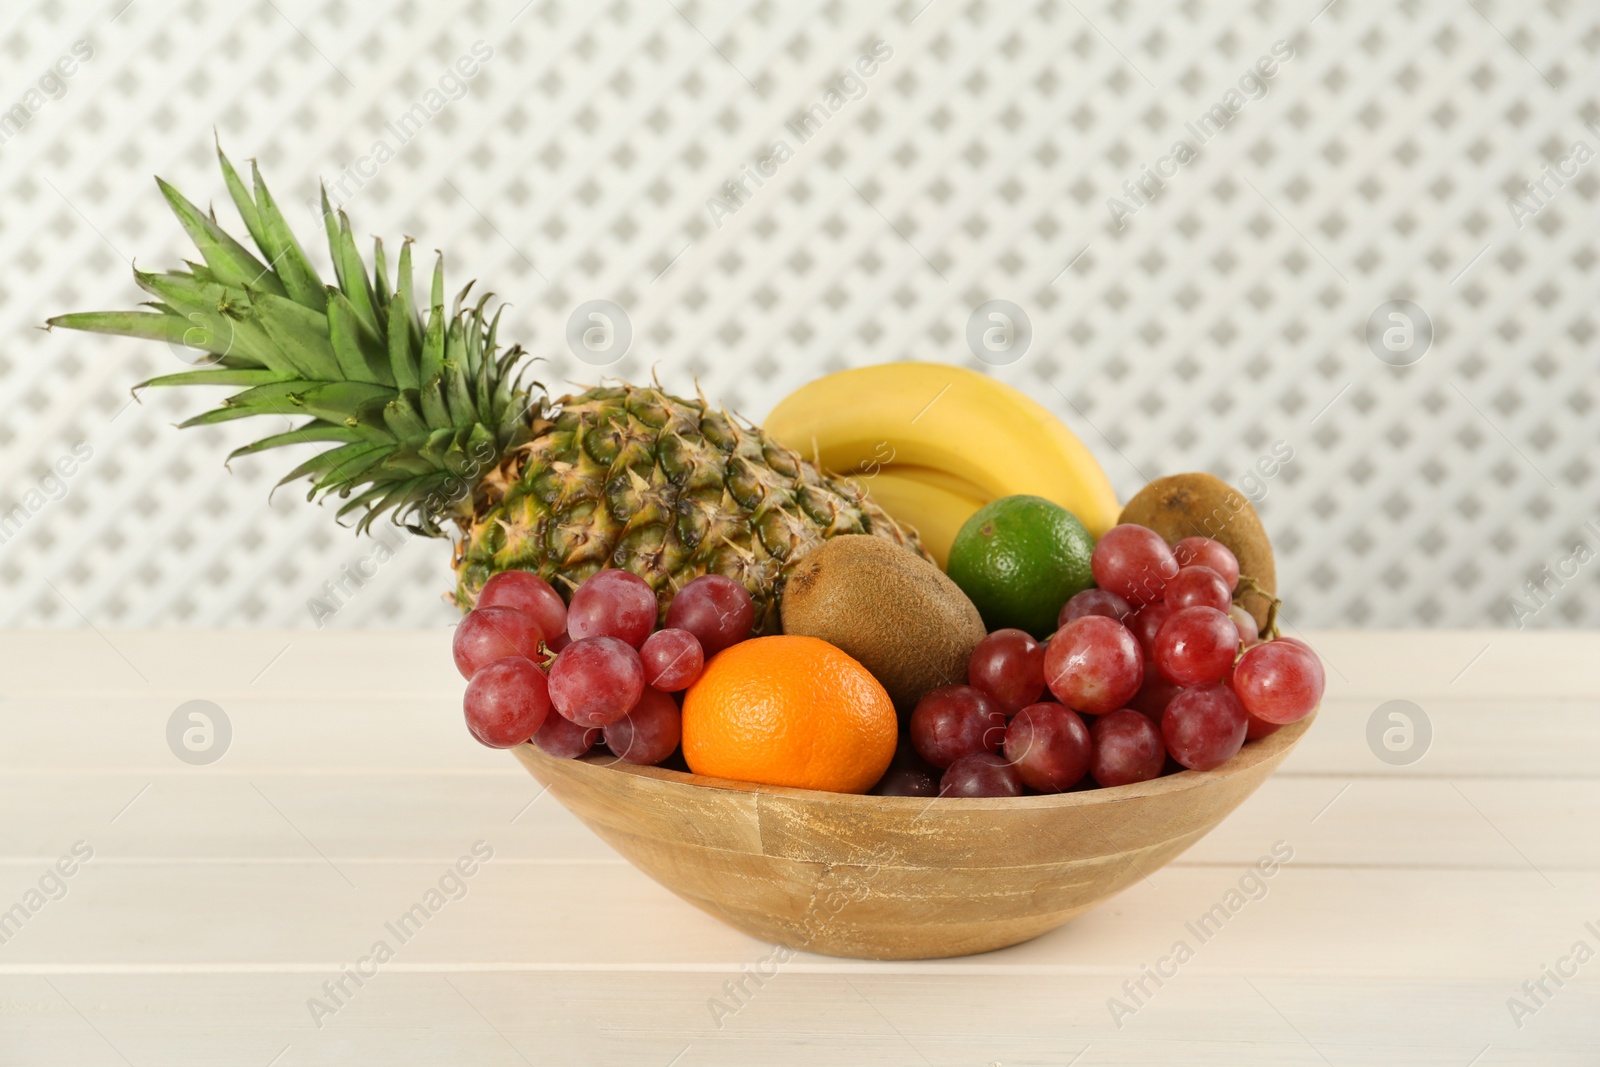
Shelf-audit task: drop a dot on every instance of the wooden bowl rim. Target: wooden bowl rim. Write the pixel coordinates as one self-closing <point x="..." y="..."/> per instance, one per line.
<point x="1251" y="755"/>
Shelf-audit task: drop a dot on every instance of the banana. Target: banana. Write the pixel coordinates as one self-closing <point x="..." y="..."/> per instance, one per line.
<point x="935" y="510"/>
<point x="950" y="420"/>
<point x="944" y="480"/>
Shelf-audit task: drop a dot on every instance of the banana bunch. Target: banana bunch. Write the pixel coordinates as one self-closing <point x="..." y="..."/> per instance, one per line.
<point x="932" y="443"/>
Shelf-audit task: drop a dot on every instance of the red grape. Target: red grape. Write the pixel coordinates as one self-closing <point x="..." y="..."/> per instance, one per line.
<point x="487" y="634"/>
<point x="1134" y="563"/>
<point x="672" y="660"/>
<point x="1204" y="727"/>
<point x="1249" y="633"/>
<point x="1049" y="746"/>
<point x="1009" y="666"/>
<point x="1208" y="553"/>
<point x="1127" y="749"/>
<point x="1295" y="641"/>
<point x="1316" y="660"/>
<point x="596" y="680"/>
<point x="1146" y="623"/>
<point x="1198" y="587"/>
<point x="955" y="721"/>
<point x="1154" y="695"/>
<point x="528" y="593"/>
<point x="717" y="610"/>
<point x="1093" y="664"/>
<point x="613" y="603"/>
<point x="649" y="733"/>
<point x="1279" y="681"/>
<point x="1094" y="602"/>
<point x="558" y="642"/>
<point x="564" y="739"/>
<point x="980" y="774"/>
<point x="1255" y="729"/>
<point x="909" y="775"/>
<point x="506" y="702"/>
<point x="1196" y="646"/>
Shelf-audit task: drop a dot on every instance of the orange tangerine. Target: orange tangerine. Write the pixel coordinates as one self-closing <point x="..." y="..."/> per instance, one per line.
<point x="789" y="710"/>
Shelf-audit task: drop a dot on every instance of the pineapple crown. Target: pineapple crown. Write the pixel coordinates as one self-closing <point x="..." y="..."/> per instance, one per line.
<point x="417" y="411"/>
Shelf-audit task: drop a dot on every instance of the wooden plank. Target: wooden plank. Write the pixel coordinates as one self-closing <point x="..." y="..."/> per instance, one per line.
<point x="363" y="818"/>
<point x="313" y="733"/>
<point x="791" y="1017"/>
<point x="1508" y="824"/>
<point x="1420" y="898"/>
<point x="335" y="700"/>
<point x="1478" y="664"/>
<point x="1539" y="739"/>
<point x="287" y="733"/>
<point x="425" y="817"/>
<point x="1401" y="923"/>
<point x="367" y="663"/>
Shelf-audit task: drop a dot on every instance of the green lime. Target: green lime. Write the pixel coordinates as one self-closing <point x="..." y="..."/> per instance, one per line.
<point x="1019" y="559"/>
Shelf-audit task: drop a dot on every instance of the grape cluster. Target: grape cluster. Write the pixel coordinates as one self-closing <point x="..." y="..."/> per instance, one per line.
<point x="600" y="664"/>
<point x="1155" y="669"/>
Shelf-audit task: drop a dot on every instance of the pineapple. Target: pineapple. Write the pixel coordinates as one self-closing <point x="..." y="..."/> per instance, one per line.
<point x="430" y="421"/>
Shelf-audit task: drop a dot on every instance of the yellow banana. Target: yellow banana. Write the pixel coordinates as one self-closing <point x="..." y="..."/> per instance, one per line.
<point x="935" y="511"/>
<point x="939" y="479"/>
<point x="951" y="420"/>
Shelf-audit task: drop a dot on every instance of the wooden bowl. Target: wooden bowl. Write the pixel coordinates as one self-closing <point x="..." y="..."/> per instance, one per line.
<point x="896" y="877"/>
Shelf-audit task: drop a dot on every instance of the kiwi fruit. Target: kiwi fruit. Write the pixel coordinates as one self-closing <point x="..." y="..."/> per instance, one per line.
<point x="893" y="611"/>
<point x="1201" y="505"/>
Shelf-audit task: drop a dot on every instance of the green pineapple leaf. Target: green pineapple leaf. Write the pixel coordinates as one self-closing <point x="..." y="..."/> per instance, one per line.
<point x="414" y="414"/>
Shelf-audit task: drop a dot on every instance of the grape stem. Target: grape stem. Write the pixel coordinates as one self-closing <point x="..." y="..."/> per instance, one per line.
<point x="1249" y="585"/>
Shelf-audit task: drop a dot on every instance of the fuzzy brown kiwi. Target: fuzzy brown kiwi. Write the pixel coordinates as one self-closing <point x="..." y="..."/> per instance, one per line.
<point x="1201" y="505"/>
<point x="893" y="611"/>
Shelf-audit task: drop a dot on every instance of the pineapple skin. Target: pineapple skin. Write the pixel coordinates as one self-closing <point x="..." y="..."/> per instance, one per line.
<point x="630" y="477"/>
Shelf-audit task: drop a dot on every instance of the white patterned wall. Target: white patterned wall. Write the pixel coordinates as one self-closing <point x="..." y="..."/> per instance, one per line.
<point x="974" y="163"/>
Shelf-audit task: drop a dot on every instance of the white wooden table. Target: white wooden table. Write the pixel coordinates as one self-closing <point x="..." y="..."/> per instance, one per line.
<point x="220" y="898"/>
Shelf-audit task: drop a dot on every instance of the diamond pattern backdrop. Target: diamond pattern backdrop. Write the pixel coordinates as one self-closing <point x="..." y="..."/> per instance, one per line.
<point x="592" y="155"/>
